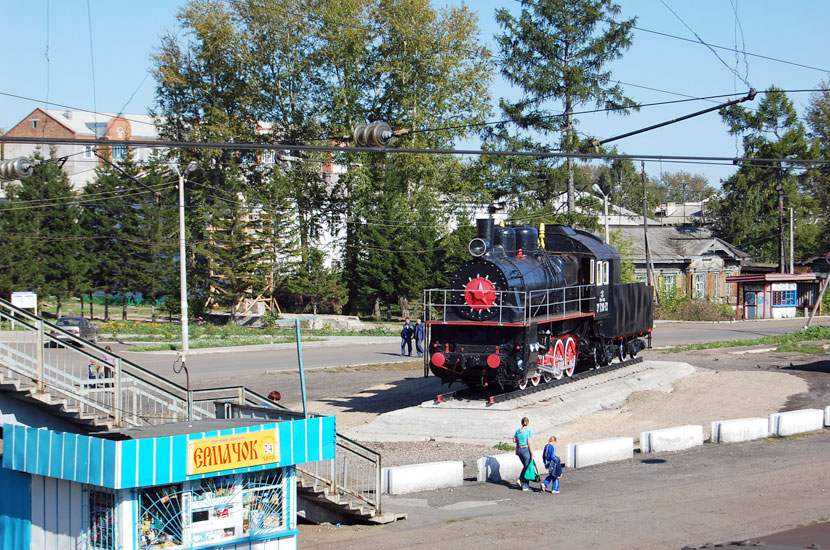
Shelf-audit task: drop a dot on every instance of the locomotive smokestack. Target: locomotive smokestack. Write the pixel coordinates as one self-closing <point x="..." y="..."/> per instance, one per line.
<point x="484" y="227"/>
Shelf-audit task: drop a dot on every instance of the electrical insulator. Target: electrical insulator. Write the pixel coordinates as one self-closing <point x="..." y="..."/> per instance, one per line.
<point x="376" y="134"/>
<point x="15" y="169"/>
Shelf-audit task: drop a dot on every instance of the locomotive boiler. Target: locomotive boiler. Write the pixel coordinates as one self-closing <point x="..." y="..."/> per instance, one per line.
<point x="526" y="310"/>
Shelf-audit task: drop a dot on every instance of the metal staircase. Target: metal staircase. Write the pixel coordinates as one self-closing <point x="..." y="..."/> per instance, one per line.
<point x="346" y="488"/>
<point x="50" y="368"/>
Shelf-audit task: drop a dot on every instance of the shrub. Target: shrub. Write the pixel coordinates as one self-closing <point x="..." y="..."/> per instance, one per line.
<point x="685" y="309"/>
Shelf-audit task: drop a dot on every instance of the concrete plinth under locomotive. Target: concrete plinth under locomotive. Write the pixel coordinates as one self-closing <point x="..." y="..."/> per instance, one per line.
<point x="517" y="314"/>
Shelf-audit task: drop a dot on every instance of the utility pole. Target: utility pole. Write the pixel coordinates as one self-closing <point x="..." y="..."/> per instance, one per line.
<point x="792" y="242"/>
<point x="781" y="247"/>
<point x="649" y="266"/>
<point x="183" y="270"/>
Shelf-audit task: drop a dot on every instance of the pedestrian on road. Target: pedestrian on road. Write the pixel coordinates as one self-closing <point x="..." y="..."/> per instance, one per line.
<point x="524" y="452"/>
<point x="407" y="332"/>
<point x="553" y="464"/>
<point x="420" y="334"/>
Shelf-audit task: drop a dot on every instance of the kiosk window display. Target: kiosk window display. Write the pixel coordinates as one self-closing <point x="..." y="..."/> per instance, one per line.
<point x="213" y="511"/>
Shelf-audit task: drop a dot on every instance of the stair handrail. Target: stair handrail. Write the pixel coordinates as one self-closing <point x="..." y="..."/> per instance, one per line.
<point x="159" y="386"/>
<point x="240" y="394"/>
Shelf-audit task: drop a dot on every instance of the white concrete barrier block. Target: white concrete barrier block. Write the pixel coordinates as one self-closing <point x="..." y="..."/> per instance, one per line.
<point x="505" y="467"/>
<point x="794" y="422"/>
<point x="739" y="429"/>
<point x="598" y="451"/>
<point x="569" y="455"/>
<point x="502" y="467"/>
<point x="827" y="416"/>
<point x="671" y="439"/>
<point x="424" y="477"/>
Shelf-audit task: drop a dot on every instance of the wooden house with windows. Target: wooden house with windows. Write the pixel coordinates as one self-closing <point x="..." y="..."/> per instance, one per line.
<point x="687" y="261"/>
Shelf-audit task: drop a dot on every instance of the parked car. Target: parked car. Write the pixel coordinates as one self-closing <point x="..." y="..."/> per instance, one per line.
<point x="79" y="326"/>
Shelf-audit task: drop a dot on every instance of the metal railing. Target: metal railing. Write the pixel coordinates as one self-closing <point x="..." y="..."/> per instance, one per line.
<point x="87" y="378"/>
<point x="512" y="306"/>
<point x="98" y="383"/>
<point x="355" y="469"/>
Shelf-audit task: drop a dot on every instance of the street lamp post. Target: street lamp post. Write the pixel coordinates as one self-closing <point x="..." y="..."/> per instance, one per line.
<point x="598" y="189"/>
<point x="182" y="263"/>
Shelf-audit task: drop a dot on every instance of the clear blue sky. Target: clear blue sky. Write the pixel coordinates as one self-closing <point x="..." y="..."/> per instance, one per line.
<point x="124" y="34"/>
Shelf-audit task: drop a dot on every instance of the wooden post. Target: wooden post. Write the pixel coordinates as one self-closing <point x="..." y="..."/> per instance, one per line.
<point x="817" y="307"/>
<point x="649" y="266"/>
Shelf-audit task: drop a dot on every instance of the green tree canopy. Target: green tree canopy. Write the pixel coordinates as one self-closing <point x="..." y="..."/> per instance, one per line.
<point x="747" y="212"/>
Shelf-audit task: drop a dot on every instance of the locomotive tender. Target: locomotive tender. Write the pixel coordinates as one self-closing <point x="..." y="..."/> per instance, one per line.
<point x="521" y="313"/>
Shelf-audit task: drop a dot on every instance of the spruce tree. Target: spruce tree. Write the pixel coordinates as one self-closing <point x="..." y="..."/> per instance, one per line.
<point x="556" y="52"/>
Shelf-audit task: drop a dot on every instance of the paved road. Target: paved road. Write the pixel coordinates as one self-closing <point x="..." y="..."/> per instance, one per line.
<point x="258" y="360"/>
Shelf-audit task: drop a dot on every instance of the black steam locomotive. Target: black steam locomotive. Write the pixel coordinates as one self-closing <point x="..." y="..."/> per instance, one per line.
<point x="524" y="311"/>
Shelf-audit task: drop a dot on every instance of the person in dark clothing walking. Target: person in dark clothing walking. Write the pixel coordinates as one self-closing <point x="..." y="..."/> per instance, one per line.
<point x="407" y="332"/>
<point x="420" y="334"/>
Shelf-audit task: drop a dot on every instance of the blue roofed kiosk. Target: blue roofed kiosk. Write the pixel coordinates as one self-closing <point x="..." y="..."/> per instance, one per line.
<point x="201" y="484"/>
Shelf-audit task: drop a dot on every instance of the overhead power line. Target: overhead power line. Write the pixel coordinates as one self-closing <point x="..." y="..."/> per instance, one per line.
<point x="710" y="45"/>
<point x="242" y="146"/>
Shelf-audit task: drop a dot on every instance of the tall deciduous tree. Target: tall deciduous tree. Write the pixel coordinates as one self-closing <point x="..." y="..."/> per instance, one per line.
<point x="417" y="68"/>
<point x="556" y="52"/>
<point x="747" y="214"/>
<point x="312" y="70"/>
<point x="685" y="187"/>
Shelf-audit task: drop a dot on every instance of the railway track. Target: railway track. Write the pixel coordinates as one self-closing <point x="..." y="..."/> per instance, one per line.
<point x="478" y="394"/>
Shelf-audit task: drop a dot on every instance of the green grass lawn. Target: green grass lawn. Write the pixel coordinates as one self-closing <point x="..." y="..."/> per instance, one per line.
<point x="793" y="342"/>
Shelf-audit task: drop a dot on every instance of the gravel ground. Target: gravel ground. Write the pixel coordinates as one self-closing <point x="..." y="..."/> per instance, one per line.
<point x="729" y="383"/>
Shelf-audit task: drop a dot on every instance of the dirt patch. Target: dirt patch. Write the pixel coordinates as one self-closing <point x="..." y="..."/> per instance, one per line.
<point x="712" y="395"/>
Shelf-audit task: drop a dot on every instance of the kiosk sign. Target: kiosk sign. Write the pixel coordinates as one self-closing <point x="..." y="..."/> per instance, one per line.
<point x="216" y="454"/>
<point x="24" y="300"/>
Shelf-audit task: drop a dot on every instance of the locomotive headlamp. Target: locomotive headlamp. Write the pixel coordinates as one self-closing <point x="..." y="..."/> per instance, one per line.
<point x="478" y="247"/>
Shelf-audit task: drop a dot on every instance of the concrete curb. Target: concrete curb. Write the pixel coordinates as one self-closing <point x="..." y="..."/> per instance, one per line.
<point x="330" y="341"/>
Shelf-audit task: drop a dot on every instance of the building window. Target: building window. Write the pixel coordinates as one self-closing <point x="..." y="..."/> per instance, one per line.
<point x="119" y="152"/>
<point x="34" y="122"/>
<point x="214" y="511"/>
<point x="120" y="133"/>
<point x="87" y="152"/>
<point x="784" y="298"/>
<point x="717" y="285"/>
<point x="101" y="518"/>
<point x="700" y="285"/>
<point x="669" y="282"/>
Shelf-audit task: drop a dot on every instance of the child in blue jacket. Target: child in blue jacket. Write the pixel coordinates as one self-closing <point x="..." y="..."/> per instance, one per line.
<point x="553" y="465"/>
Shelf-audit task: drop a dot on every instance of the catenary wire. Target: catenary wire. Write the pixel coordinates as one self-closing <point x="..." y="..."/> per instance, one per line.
<point x="711" y="49"/>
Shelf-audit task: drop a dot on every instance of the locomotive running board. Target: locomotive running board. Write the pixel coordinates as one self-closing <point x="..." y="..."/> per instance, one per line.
<point x="470" y="393"/>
